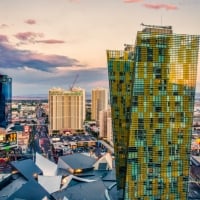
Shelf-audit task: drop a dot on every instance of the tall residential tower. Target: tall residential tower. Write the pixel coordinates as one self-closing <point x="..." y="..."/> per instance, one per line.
<point x="99" y="102"/>
<point x="105" y="125"/>
<point x="5" y="100"/>
<point x="152" y="89"/>
<point x="66" y="109"/>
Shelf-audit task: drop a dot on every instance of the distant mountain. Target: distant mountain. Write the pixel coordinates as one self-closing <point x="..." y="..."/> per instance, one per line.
<point x="45" y="96"/>
<point x="30" y="97"/>
<point x="40" y="96"/>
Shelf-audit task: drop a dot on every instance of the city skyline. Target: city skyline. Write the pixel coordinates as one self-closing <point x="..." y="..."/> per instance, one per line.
<point x="46" y="44"/>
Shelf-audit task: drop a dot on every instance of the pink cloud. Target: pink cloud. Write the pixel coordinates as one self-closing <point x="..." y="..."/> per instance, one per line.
<point x="161" y="6"/>
<point x="13" y="58"/>
<point x="3" y="38"/>
<point x="132" y="1"/>
<point x="50" y="41"/>
<point x="30" y="21"/>
<point x="74" y="1"/>
<point x="28" y="36"/>
<point x="3" y="25"/>
<point x="32" y="37"/>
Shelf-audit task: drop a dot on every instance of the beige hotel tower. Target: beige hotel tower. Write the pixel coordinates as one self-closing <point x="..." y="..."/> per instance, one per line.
<point x="99" y="102"/>
<point x="66" y="108"/>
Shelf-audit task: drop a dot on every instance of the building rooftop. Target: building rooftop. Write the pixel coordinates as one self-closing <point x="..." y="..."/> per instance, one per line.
<point x="15" y="183"/>
<point x="78" y="161"/>
<point x="86" y="185"/>
<point x="156" y="29"/>
<point x="31" y="191"/>
<point x="27" y="168"/>
<point x="84" y="191"/>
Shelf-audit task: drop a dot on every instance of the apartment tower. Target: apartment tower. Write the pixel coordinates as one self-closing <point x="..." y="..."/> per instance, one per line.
<point x="5" y="100"/>
<point x="105" y="125"/>
<point x="99" y="102"/>
<point x="152" y="88"/>
<point x="66" y="109"/>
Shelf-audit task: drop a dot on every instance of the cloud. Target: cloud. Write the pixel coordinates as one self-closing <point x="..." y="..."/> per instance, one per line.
<point x="28" y="36"/>
<point x="161" y="6"/>
<point x="3" y="25"/>
<point x="32" y="37"/>
<point x="13" y="58"/>
<point x="74" y="1"/>
<point x="3" y="38"/>
<point x="132" y="1"/>
<point x="26" y="81"/>
<point x="30" y="21"/>
<point x="51" y="41"/>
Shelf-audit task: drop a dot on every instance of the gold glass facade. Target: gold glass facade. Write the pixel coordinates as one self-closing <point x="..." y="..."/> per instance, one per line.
<point x="120" y="78"/>
<point x="152" y="89"/>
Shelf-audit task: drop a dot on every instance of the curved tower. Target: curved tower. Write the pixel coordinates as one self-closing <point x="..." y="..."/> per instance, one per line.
<point x="152" y="90"/>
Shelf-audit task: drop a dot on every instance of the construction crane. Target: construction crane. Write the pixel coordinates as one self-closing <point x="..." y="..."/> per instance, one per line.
<point x="75" y="79"/>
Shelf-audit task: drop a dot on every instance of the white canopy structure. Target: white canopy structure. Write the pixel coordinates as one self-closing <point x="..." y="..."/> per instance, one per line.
<point x="107" y="159"/>
<point x="63" y="165"/>
<point x="50" y="183"/>
<point x="45" y="198"/>
<point x="48" y="168"/>
<point x="70" y="177"/>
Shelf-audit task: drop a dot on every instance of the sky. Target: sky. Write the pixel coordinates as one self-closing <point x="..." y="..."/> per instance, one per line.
<point x="60" y="43"/>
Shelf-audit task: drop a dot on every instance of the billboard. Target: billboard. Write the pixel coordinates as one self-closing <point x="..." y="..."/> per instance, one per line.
<point x="8" y="140"/>
<point x="23" y="138"/>
<point x="27" y="130"/>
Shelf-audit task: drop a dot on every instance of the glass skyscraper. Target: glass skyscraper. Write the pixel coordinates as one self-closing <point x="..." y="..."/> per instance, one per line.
<point x="5" y="100"/>
<point x="152" y="89"/>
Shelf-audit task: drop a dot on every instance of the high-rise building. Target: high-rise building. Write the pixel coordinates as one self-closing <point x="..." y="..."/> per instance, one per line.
<point x="99" y="102"/>
<point x="152" y="89"/>
<point x="105" y="125"/>
<point x="66" y="109"/>
<point x="5" y="100"/>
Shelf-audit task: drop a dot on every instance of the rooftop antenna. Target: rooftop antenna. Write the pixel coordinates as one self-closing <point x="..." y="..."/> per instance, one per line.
<point x="155" y="26"/>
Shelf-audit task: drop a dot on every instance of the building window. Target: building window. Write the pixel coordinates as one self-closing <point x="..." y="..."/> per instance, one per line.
<point x="140" y="123"/>
<point x="149" y="54"/>
<point x="135" y="101"/>
<point x="138" y="54"/>
<point x="139" y="87"/>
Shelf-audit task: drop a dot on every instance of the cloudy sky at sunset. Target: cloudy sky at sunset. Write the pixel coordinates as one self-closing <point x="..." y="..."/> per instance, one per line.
<point x="47" y="43"/>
